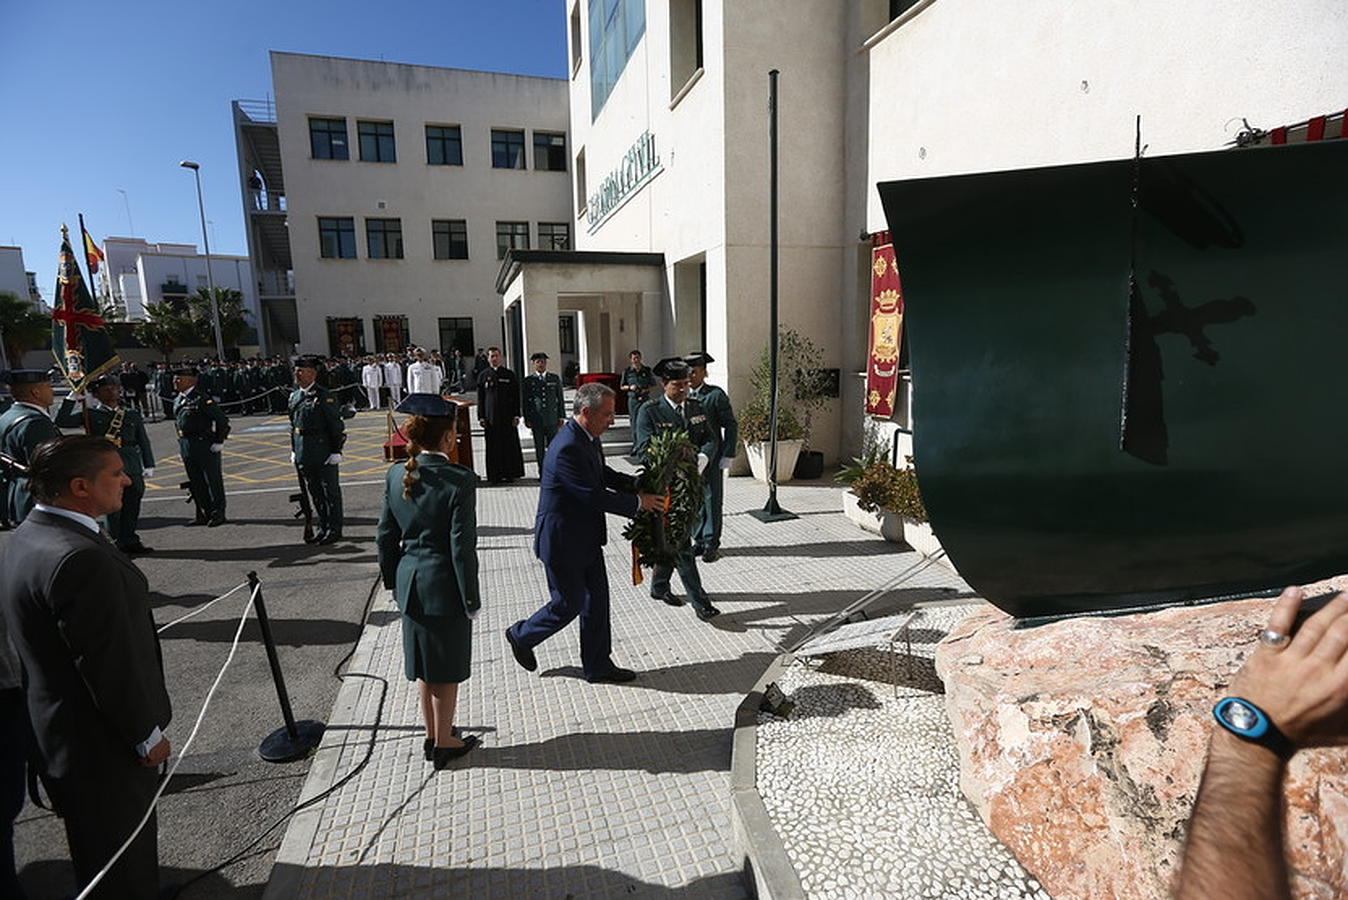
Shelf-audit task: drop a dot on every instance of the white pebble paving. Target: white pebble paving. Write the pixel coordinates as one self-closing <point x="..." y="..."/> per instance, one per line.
<point x="862" y="781"/>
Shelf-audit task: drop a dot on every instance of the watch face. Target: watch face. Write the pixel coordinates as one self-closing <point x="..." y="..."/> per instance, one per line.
<point x="1239" y="716"/>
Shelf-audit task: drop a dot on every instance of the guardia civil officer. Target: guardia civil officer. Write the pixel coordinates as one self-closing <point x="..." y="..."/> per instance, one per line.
<point x="636" y="382"/>
<point x="427" y="540"/>
<point x="202" y="428"/>
<point x="124" y="427"/>
<point x="725" y="432"/>
<point x="317" y="435"/>
<point x="22" y="427"/>
<point x="543" y="405"/>
<point x="676" y="410"/>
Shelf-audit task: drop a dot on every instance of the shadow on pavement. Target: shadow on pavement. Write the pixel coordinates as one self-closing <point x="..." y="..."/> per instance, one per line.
<point x="821" y="549"/>
<point x="656" y="752"/>
<point x="279" y="555"/>
<point x="389" y="879"/>
<point x="51" y="878"/>
<point x="289" y="632"/>
<point x="721" y="676"/>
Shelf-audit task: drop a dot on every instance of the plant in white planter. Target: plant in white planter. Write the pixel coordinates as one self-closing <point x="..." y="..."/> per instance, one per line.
<point x="801" y="390"/>
<point x="885" y="500"/>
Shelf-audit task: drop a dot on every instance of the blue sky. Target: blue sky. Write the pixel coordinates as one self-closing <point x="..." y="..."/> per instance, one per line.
<point x="97" y="97"/>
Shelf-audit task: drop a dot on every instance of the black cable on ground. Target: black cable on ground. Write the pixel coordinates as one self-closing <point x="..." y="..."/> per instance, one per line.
<point x="356" y="770"/>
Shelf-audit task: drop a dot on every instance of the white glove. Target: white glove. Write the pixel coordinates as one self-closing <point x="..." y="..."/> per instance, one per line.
<point x="216" y="448"/>
<point x="333" y="460"/>
<point x="149" y="473"/>
<point x="725" y="462"/>
<point x="292" y="456"/>
<point x="702" y="460"/>
<point x="75" y="397"/>
<point x="473" y="614"/>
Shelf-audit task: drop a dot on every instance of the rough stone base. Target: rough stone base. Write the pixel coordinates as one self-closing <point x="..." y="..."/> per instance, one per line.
<point x="1081" y="745"/>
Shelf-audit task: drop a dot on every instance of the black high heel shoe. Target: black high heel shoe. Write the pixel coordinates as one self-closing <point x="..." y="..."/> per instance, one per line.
<point x="443" y="755"/>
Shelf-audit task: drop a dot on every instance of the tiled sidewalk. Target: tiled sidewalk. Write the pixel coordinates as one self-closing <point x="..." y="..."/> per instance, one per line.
<point x="581" y="790"/>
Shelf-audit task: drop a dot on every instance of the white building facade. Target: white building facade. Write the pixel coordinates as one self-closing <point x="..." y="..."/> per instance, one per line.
<point x="13" y="276"/>
<point x="669" y="122"/>
<point x="136" y="272"/>
<point x="400" y="187"/>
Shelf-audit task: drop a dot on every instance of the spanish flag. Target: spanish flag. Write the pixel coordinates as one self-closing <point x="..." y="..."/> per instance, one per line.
<point x="91" y="251"/>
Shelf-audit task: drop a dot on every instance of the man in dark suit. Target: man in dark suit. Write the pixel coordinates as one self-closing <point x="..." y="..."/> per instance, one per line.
<point x="569" y="535"/>
<point x="498" y="411"/>
<point x="78" y="614"/>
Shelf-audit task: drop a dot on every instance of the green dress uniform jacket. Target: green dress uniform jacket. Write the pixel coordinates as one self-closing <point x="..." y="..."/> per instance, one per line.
<point x="544" y="408"/>
<point x="726" y="431"/>
<point x="641" y="379"/>
<point x="200" y="423"/>
<point x="428" y="557"/>
<point x="317" y="432"/>
<point x="125" y="428"/>
<point x="656" y="417"/>
<point x="22" y="428"/>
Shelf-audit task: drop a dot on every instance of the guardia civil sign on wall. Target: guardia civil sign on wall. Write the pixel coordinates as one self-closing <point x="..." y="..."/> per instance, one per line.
<point x="638" y="166"/>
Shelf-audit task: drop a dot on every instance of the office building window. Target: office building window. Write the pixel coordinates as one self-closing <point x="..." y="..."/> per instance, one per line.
<point x="582" y="198"/>
<point x="444" y="145"/>
<point x="337" y="238"/>
<point x="507" y="149"/>
<point x="616" y="27"/>
<point x="511" y="236"/>
<point x="685" y="43"/>
<point x="327" y="139"/>
<point x="549" y="151"/>
<point x="899" y="7"/>
<point x="376" y="142"/>
<point x="554" y="236"/>
<point x="450" y="238"/>
<point x="384" y="238"/>
<point x="575" y="38"/>
<point x="457" y="333"/>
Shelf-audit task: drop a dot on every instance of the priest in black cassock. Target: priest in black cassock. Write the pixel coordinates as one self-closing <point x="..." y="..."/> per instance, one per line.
<point x="498" y="410"/>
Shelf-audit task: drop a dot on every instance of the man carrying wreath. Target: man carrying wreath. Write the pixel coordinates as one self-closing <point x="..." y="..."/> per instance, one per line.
<point x="677" y="411"/>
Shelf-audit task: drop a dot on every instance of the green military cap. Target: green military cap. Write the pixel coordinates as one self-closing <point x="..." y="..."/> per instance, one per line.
<point x="671" y="368"/>
<point x="307" y="362"/>
<point x="186" y="371"/>
<point x="701" y="358"/>
<point x="427" y="405"/>
<point x="26" y="376"/>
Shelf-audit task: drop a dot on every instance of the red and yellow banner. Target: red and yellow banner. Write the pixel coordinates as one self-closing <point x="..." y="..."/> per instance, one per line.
<point x="886" y="332"/>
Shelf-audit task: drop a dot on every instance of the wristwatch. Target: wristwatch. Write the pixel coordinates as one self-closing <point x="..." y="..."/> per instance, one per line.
<point x="1250" y="723"/>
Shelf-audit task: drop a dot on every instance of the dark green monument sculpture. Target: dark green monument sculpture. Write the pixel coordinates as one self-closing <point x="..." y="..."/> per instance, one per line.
<point x="1120" y="407"/>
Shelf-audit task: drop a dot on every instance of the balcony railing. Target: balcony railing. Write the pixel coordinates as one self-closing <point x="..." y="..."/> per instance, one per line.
<point x="276" y="284"/>
<point x="261" y="111"/>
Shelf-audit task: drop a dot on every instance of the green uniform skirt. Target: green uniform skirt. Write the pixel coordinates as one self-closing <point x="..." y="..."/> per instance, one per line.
<point x="437" y="649"/>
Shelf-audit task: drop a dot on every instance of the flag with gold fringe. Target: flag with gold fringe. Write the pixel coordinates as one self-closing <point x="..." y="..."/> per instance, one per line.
<point x="79" y="337"/>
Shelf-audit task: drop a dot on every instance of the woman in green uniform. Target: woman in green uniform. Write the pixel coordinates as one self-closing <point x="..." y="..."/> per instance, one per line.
<point x="427" y="539"/>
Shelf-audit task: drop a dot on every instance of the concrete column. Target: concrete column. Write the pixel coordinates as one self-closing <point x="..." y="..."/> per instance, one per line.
<point x="539" y="322"/>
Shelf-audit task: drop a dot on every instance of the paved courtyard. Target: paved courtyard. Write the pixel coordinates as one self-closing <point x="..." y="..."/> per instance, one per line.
<point x="578" y="790"/>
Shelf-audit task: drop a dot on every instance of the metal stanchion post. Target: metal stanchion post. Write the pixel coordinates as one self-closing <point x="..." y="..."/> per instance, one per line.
<point x="295" y="740"/>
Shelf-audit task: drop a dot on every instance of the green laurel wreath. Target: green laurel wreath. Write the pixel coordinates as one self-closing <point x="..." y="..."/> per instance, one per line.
<point x="670" y="468"/>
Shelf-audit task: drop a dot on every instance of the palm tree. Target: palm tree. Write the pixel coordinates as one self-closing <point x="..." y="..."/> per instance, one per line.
<point x="22" y="327"/>
<point x="233" y="317"/>
<point x="164" y="328"/>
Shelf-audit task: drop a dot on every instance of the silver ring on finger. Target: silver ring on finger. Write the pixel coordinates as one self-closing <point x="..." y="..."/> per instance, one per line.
<point x="1275" y="640"/>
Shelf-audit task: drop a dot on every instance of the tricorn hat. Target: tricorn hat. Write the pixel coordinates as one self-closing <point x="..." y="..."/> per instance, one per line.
<point x="671" y="368"/>
<point x="701" y="358"/>
<point x="537" y="356"/>
<point x="104" y="381"/>
<point x="307" y="362"/>
<point x="426" y="405"/>
<point x="189" y="371"/>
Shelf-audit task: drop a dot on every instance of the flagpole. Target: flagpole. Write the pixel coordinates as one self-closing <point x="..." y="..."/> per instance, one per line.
<point x="84" y="252"/>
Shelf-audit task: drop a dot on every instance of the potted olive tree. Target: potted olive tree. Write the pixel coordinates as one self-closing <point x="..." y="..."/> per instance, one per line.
<point x="802" y="390"/>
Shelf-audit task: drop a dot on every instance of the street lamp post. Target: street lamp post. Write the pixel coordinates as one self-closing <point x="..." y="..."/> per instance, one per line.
<point x="210" y="279"/>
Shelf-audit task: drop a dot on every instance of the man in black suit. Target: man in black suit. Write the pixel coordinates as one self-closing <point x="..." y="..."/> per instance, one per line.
<point x="77" y="612"/>
<point x="577" y="488"/>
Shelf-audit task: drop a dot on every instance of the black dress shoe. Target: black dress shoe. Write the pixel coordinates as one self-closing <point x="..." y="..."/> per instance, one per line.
<point x="711" y="554"/>
<point x="428" y="745"/>
<point x="329" y="538"/>
<point x="667" y="597"/>
<point x="200" y="520"/>
<point x="314" y="537"/>
<point x="441" y="756"/>
<point x="615" y="675"/>
<point x="133" y="549"/>
<point x="697" y="551"/>
<point x="707" y="612"/>
<point x="523" y="655"/>
<point x="215" y="520"/>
